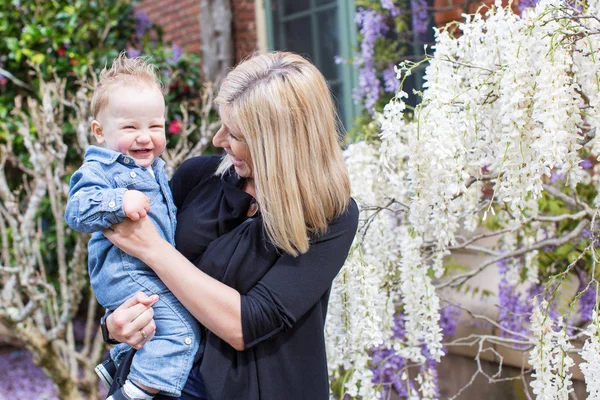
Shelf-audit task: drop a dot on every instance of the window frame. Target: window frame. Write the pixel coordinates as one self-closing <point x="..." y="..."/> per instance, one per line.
<point x="348" y="78"/>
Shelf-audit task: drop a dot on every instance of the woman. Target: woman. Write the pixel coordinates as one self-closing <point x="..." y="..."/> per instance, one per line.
<point x="261" y="234"/>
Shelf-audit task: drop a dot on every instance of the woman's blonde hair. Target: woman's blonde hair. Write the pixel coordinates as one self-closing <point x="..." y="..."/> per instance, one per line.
<point x="280" y="103"/>
<point x="124" y="70"/>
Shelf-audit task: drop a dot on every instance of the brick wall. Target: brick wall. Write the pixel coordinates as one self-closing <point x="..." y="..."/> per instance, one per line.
<point x="244" y="28"/>
<point x="451" y="10"/>
<point x="180" y="21"/>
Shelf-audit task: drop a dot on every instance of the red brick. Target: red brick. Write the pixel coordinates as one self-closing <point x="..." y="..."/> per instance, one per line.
<point x="181" y="23"/>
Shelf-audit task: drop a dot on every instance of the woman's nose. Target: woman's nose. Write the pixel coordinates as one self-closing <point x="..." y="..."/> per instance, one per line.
<point x="220" y="139"/>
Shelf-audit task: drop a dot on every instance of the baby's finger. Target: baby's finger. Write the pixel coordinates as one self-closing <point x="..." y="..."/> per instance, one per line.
<point x="142" y="213"/>
<point x="134" y="216"/>
<point x="147" y="206"/>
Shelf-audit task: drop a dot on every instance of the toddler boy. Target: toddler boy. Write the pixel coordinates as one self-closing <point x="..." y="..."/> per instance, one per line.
<point x="126" y="179"/>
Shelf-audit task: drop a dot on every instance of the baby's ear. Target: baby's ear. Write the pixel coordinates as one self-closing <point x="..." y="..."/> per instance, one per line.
<point x="97" y="131"/>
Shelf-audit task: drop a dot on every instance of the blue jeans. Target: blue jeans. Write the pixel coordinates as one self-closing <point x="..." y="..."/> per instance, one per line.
<point x="194" y="387"/>
<point x="165" y="361"/>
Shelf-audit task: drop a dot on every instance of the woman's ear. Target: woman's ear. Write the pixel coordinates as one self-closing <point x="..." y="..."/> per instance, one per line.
<point x="97" y="131"/>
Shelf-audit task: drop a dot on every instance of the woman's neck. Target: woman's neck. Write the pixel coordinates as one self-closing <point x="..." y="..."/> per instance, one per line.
<point x="249" y="187"/>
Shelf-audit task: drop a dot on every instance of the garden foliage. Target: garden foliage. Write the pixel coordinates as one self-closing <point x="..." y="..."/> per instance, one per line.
<point x="51" y="53"/>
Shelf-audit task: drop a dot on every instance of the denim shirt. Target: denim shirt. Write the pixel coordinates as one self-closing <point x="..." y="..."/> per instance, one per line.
<point x="96" y="202"/>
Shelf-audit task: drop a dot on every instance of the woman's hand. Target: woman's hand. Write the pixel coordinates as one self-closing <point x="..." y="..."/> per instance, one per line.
<point x="136" y="238"/>
<point x="133" y="321"/>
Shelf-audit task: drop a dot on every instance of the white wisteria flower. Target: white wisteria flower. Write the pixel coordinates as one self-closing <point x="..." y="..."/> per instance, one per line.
<point x="591" y="354"/>
<point x="550" y="357"/>
<point x="510" y="104"/>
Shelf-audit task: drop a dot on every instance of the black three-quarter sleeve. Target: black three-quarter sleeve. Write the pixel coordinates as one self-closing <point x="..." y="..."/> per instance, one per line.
<point x="295" y="284"/>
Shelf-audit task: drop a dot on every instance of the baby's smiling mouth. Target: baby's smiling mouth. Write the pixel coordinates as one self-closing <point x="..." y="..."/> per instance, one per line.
<point x="141" y="152"/>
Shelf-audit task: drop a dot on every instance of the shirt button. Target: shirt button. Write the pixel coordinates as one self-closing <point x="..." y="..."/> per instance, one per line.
<point x="188" y="340"/>
<point x="112" y="204"/>
<point x="126" y="160"/>
<point x="132" y="174"/>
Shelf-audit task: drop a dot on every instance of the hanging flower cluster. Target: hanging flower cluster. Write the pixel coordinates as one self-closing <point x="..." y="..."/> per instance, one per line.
<point x="591" y="354"/>
<point x="388" y="30"/>
<point x="550" y="358"/>
<point x="509" y="105"/>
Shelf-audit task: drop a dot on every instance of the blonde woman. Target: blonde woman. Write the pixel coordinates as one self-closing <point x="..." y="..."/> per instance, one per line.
<point x="261" y="234"/>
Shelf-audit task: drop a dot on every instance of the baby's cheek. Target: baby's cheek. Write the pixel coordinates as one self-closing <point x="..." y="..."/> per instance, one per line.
<point x="125" y="145"/>
<point x="160" y="144"/>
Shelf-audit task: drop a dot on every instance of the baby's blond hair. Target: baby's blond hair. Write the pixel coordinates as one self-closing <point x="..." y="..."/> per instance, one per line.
<point x="124" y="70"/>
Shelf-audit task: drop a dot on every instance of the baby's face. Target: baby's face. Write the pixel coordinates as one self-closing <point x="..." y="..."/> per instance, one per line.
<point x="133" y="123"/>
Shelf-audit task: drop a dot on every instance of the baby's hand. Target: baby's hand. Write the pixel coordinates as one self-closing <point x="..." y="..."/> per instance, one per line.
<point x="135" y="204"/>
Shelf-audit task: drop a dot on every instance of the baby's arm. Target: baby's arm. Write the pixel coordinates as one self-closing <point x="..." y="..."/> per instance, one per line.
<point x="94" y="203"/>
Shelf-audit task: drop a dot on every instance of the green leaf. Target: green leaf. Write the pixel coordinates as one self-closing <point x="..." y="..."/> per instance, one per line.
<point x="38" y="58"/>
<point x="572" y="256"/>
<point x="563" y="250"/>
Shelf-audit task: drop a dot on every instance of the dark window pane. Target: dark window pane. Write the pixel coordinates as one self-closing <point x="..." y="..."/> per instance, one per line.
<point x="294" y="6"/>
<point x="324" y="2"/>
<point x="298" y="37"/>
<point x="327" y="24"/>
<point x="336" y="91"/>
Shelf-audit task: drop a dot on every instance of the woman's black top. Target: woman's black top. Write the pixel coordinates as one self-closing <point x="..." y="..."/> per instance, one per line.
<point x="283" y="298"/>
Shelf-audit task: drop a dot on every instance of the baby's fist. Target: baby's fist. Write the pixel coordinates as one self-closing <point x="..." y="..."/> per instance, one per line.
<point x="135" y="204"/>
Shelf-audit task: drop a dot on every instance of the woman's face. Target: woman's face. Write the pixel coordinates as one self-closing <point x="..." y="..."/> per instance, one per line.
<point x="232" y="141"/>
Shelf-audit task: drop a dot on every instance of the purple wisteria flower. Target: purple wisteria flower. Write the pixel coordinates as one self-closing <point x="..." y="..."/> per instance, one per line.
<point x="389" y="367"/>
<point x="449" y="316"/>
<point x="133" y="52"/>
<point x="515" y="307"/>
<point x="556" y="177"/>
<point x="174" y="59"/>
<point x="142" y="23"/>
<point x="390" y="83"/>
<point x="391" y="7"/>
<point x="420" y="17"/>
<point x="523" y="4"/>
<point x="390" y="370"/>
<point x="586" y="164"/>
<point x="372" y="26"/>
<point x="587" y="301"/>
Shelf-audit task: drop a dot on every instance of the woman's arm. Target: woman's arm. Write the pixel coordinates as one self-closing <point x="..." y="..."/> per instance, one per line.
<point x="213" y="304"/>
<point x="288" y="290"/>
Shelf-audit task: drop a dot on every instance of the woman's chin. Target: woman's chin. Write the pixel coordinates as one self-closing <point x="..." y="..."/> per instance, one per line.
<point x="243" y="171"/>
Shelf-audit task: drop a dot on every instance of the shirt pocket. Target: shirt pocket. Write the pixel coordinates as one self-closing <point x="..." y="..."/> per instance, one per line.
<point x="135" y="181"/>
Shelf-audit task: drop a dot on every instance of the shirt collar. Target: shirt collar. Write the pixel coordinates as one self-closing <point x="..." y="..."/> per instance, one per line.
<point x="108" y="156"/>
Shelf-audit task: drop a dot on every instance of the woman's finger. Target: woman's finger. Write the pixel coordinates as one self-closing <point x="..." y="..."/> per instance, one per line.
<point x="130" y="331"/>
<point x="133" y="313"/>
<point x="144" y="334"/>
<point x="137" y="304"/>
